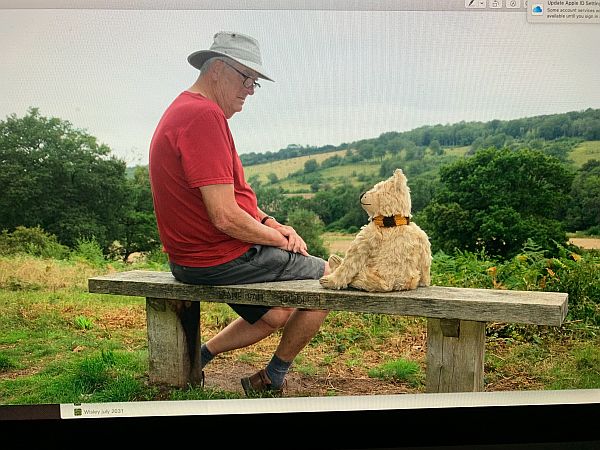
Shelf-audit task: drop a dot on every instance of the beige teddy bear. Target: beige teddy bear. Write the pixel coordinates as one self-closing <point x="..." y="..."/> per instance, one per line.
<point x="390" y="253"/>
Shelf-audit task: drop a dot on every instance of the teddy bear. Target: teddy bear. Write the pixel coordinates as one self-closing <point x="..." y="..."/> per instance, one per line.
<point x="391" y="252"/>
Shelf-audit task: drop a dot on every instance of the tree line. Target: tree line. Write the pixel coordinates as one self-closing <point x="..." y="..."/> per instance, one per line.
<point x="581" y="124"/>
<point x="506" y="194"/>
<point x="60" y="179"/>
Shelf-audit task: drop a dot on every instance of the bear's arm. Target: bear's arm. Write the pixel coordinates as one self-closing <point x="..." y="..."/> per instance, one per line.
<point x="425" y="262"/>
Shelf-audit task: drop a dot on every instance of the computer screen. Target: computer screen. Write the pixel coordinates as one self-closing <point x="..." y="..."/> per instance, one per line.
<point x="343" y="73"/>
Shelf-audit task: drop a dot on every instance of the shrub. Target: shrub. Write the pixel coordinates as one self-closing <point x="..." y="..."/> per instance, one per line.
<point x="157" y="257"/>
<point x="576" y="274"/>
<point x="89" y="250"/>
<point x="579" y="276"/>
<point x="33" y="241"/>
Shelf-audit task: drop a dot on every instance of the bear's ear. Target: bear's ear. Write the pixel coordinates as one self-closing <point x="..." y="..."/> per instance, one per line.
<point x="399" y="178"/>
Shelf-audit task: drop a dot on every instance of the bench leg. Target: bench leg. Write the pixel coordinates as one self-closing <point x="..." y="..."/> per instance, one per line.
<point x="455" y="352"/>
<point x="173" y="342"/>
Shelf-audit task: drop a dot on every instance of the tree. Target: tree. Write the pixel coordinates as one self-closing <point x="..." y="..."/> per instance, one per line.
<point x="270" y="200"/>
<point x="310" y="165"/>
<point x="139" y="232"/>
<point x="584" y="211"/>
<point x="310" y="227"/>
<point x="340" y="205"/>
<point x="366" y="151"/>
<point x="436" y="148"/>
<point x="496" y="200"/>
<point x="379" y="151"/>
<point x="59" y="178"/>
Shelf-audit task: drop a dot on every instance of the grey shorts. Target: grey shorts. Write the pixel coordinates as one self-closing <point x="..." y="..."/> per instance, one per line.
<point x="261" y="263"/>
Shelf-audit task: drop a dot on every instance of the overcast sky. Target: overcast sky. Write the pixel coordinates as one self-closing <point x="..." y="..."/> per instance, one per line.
<point x="339" y="76"/>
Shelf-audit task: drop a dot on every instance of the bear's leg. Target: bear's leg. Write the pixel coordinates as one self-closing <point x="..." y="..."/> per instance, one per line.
<point x="412" y="283"/>
<point x="370" y="281"/>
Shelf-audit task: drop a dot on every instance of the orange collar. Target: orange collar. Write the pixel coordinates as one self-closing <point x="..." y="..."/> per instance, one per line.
<point x="391" y="221"/>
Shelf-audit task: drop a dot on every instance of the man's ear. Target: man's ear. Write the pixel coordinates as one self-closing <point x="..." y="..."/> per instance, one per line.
<point x="215" y="69"/>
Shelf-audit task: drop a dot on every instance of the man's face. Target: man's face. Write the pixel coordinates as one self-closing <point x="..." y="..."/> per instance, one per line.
<point x="233" y="92"/>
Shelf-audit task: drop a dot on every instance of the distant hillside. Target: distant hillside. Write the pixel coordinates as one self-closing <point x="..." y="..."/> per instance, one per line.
<point x="584" y="125"/>
<point x="573" y="137"/>
<point x="290" y="176"/>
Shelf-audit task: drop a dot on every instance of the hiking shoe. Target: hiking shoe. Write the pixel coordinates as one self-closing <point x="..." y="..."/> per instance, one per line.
<point x="258" y="384"/>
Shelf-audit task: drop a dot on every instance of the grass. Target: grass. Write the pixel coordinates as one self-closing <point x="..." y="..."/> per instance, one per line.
<point x="337" y="242"/>
<point x="584" y="152"/>
<point x="351" y="171"/>
<point x="457" y="151"/>
<point x="60" y="344"/>
<point x="400" y="370"/>
<point x="287" y="166"/>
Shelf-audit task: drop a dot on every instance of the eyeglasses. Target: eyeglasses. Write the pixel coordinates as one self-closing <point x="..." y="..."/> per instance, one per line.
<point x="248" y="81"/>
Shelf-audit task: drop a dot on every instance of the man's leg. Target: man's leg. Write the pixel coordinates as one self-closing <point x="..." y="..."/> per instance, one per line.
<point x="240" y="333"/>
<point x="300" y="328"/>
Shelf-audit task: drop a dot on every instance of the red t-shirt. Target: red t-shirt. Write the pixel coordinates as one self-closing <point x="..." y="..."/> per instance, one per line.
<point x="192" y="146"/>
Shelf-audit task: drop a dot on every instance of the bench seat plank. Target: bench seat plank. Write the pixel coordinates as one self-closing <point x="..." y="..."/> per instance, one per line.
<point x="481" y="305"/>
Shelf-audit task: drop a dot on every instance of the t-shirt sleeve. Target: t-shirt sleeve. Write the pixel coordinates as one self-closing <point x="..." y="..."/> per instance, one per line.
<point x="205" y="148"/>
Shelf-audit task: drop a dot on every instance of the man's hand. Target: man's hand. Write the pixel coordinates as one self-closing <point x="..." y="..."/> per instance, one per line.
<point x="295" y="243"/>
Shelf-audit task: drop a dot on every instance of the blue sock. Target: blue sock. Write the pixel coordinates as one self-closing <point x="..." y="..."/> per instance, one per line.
<point x="205" y="356"/>
<point x="276" y="370"/>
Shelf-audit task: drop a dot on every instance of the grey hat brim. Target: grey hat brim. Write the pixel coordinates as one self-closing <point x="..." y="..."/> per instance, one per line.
<point x="198" y="58"/>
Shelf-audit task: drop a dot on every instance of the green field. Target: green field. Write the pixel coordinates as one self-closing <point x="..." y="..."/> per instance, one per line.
<point x="284" y="167"/>
<point x="584" y="152"/>
<point x="334" y="175"/>
<point x="456" y="151"/>
<point x="351" y="172"/>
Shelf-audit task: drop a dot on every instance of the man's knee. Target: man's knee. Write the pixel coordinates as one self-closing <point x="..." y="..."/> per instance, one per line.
<point x="315" y="314"/>
<point x="276" y="318"/>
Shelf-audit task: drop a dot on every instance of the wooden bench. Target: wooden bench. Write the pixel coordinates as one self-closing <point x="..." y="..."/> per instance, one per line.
<point x="456" y="319"/>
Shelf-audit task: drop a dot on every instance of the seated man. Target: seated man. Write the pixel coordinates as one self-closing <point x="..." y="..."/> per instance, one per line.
<point x="208" y="217"/>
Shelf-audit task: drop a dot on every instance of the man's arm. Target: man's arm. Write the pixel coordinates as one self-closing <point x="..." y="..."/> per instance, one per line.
<point x="295" y="242"/>
<point x="228" y="217"/>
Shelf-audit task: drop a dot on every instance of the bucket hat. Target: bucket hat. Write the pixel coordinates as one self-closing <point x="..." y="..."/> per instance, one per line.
<point x="239" y="47"/>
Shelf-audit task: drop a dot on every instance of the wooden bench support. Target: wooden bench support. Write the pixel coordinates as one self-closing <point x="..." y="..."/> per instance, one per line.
<point x="456" y="319"/>
<point x="455" y="354"/>
<point x="173" y="342"/>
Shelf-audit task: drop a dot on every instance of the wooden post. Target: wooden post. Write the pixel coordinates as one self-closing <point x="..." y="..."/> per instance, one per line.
<point x="455" y="352"/>
<point x="173" y="342"/>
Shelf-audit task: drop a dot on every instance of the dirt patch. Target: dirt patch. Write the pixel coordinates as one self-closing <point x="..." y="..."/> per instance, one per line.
<point x="225" y="374"/>
<point x="338" y="242"/>
<point x="342" y="379"/>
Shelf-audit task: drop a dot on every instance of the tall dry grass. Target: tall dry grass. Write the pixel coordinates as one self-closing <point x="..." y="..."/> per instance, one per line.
<point x="23" y="271"/>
